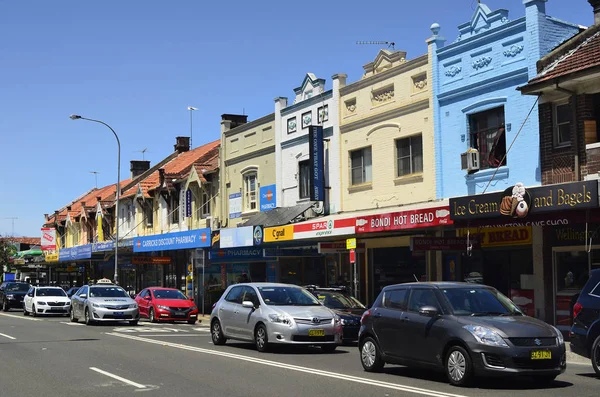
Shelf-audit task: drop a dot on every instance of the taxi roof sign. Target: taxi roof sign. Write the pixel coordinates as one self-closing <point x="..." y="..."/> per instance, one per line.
<point x="104" y="281"/>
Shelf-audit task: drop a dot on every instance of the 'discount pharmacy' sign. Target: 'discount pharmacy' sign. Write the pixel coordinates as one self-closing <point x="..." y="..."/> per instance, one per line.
<point x="172" y="241"/>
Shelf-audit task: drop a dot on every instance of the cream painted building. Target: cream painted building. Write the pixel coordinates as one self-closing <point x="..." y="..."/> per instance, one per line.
<point x="386" y="125"/>
<point x="247" y="164"/>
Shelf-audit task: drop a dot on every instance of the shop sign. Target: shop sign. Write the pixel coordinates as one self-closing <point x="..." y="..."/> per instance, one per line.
<point x="188" y="203"/>
<point x="48" y="242"/>
<point x="215" y="241"/>
<point x="235" y="255"/>
<point x="150" y="260"/>
<point x="412" y="219"/>
<point x="268" y="197"/>
<point x="257" y="235"/>
<point x="235" y="205"/>
<point x="572" y="235"/>
<point x="182" y="206"/>
<point x="519" y="202"/>
<point x="75" y="253"/>
<point x="499" y="236"/>
<point x="51" y="258"/>
<point x="290" y="252"/>
<point x="103" y="246"/>
<point x="237" y="237"/>
<point x="338" y="248"/>
<point x="338" y="227"/>
<point x="280" y="233"/>
<point x="173" y="241"/>
<point x="317" y="164"/>
<point x="442" y="243"/>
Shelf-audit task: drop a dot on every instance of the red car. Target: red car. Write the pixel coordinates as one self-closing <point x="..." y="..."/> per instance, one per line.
<point x="166" y="304"/>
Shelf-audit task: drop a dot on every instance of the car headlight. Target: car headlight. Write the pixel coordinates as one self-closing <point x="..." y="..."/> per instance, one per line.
<point x="68" y="303"/>
<point x="133" y="306"/>
<point x="10" y="296"/>
<point x="97" y="305"/>
<point x="486" y="336"/>
<point x="193" y="308"/>
<point x="279" y="318"/>
<point x="162" y="307"/>
<point x="559" y="336"/>
<point x="343" y="321"/>
<point x="41" y="303"/>
<point x="338" y="320"/>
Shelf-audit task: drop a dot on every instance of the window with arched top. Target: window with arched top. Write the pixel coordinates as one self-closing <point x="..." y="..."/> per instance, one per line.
<point x="249" y="193"/>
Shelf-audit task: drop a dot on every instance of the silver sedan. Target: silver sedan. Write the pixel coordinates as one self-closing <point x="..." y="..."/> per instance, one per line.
<point x="269" y="313"/>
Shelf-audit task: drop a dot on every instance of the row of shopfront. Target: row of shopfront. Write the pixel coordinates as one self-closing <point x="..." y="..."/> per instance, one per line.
<point x="540" y="256"/>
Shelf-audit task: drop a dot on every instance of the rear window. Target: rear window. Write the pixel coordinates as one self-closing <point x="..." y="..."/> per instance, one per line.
<point x="595" y="292"/>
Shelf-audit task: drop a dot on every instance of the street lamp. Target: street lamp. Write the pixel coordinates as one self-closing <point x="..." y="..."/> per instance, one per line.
<point x="118" y="191"/>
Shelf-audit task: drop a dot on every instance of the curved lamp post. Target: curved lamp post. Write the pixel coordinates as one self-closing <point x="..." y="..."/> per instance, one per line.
<point x="118" y="191"/>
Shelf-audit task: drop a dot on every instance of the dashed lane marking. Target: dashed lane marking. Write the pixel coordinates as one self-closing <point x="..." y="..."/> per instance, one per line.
<point x="119" y="378"/>
<point x="7" y="336"/>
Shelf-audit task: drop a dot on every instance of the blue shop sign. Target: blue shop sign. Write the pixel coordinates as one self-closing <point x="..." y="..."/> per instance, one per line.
<point x="236" y="255"/>
<point x="103" y="246"/>
<point x="75" y="253"/>
<point x="287" y="252"/>
<point x="268" y="197"/>
<point x="198" y="238"/>
<point x="237" y="237"/>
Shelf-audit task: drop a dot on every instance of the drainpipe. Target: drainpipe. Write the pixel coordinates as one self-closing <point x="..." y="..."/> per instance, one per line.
<point x="574" y="119"/>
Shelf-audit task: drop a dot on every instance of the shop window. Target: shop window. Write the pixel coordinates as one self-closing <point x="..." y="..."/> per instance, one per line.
<point x="409" y="155"/>
<point x="361" y="166"/>
<point x="149" y="213"/>
<point x="250" y="191"/>
<point x="303" y="179"/>
<point x="205" y="204"/>
<point x="562" y="124"/>
<point x="174" y="207"/>
<point x="487" y="135"/>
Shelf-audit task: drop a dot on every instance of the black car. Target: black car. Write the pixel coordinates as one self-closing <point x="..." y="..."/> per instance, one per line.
<point x="12" y="294"/>
<point x="347" y="307"/>
<point x="585" y="332"/>
<point x="461" y="328"/>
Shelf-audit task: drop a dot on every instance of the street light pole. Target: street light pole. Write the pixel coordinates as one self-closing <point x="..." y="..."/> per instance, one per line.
<point x="118" y="191"/>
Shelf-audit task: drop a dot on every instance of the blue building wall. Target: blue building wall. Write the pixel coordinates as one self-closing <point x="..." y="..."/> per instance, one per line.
<point x="481" y="70"/>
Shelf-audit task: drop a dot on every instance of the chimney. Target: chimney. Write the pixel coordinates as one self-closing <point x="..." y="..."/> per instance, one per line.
<point x="83" y="204"/>
<point x="182" y="144"/>
<point x="161" y="176"/>
<point x="596" y="5"/>
<point x="339" y="81"/>
<point x="68" y="208"/>
<point x="138" y="167"/>
<point x="234" y="119"/>
<point x="46" y="217"/>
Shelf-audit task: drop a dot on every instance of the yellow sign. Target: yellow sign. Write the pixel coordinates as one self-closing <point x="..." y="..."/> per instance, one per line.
<point x="499" y="236"/>
<point x="351" y="243"/>
<point x="281" y="233"/>
<point x="51" y="257"/>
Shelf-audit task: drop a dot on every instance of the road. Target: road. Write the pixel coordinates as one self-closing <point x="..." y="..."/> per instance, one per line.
<point x="51" y="357"/>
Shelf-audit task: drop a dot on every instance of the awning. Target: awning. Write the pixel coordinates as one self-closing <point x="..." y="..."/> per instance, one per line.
<point x="279" y="216"/>
<point x="31" y="252"/>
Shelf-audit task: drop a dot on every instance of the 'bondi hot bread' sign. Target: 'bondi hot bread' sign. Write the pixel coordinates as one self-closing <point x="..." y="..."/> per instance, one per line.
<point x="413" y="219"/>
<point x="519" y="202"/>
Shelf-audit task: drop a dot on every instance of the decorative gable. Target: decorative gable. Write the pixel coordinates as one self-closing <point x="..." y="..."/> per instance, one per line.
<point x="384" y="60"/>
<point x="311" y="86"/>
<point x="483" y="20"/>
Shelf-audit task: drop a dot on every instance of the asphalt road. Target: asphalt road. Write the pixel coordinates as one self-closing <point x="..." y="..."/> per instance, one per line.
<point x="49" y="356"/>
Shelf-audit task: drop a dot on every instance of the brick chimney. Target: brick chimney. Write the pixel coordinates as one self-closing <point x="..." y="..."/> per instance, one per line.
<point x="68" y="208"/>
<point x="182" y="144"/>
<point x="596" y="5"/>
<point x="234" y="119"/>
<point x="46" y="217"/>
<point x="138" y="167"/>
<point x="83" y="204"/>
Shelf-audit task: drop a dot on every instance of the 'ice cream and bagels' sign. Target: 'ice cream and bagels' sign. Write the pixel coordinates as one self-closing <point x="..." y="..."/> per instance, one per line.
<point x="519" y="201"/>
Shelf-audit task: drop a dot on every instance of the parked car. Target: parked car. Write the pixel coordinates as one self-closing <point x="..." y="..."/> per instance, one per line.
<point x="269" y="313"/>
<point x="346" y="306"/>
<point x="585" y="332"/>
<point x="461" y="328"/>
<point x="46" y="300"/>
<point x="72" y="290"/>
<point x="12" y="294"/>
<point x="166" y="304"/>
<point x="103" y="302"/>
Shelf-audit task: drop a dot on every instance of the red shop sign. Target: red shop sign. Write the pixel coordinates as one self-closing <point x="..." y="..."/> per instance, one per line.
<point x="413" y="219"/>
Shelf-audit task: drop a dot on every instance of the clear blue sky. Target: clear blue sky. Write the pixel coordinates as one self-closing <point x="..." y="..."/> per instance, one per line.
<point x="137" y="65"/>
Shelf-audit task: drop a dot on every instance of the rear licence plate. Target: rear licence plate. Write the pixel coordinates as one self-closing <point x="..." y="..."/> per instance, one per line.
<point x="316" y="332"/>
<point x="541" y="355"/>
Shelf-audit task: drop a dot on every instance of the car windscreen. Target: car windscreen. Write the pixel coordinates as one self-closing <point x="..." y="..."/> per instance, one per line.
<point x="50" y="292"/>
<point x="108" y="292"/>
<point x="337" y="300"/>
<point x="480" y="302"/>
<point x="287" y="296"/>
<point x="17" y="287"/>
<point x="168" y="294"/>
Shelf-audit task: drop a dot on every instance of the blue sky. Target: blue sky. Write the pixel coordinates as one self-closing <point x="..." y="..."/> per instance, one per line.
<point x="138" y="65"/>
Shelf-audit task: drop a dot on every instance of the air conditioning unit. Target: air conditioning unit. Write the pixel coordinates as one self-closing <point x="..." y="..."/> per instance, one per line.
<point x="318" y="208"/>
<point x="469" y="160"/>
<point x="209" y="222"/>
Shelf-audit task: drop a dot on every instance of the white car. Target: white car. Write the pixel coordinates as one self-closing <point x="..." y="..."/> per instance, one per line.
<point x="46" y="300"/>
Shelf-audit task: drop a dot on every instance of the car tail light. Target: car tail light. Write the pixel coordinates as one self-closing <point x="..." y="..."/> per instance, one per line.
<point x="213" y="306"/>
<point x="365" y="315"/>
<point x="577" y="309"/>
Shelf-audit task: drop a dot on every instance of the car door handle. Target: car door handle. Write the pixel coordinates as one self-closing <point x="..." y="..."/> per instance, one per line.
<point x="220" y="309"/>
<point x="377" y="314"/>
<point x="405" y="319"/>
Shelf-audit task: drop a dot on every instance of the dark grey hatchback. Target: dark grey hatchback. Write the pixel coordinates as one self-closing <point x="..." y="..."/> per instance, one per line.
<point x="464" y="329"/>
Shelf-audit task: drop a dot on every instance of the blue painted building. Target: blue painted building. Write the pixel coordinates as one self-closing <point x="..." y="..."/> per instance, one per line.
<point x="476" y="104"/>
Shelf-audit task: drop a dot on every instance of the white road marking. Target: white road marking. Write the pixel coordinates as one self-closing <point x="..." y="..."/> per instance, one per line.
<point x="21" y="317"/>
<point x="204" y="329"/>
<point x="8" y="336"/>
<point x="255" y="360"/>
<point x="117" y="377"/>
<point x="177" y="335"/>
<point x="66" y="323"/>
<point x="143" y="330"/>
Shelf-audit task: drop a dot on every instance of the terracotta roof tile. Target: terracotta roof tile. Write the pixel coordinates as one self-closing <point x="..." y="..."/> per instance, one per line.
<point x="24" y="240"/>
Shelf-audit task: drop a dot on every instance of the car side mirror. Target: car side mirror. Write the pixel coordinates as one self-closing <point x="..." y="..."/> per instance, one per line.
<point x="429" y="311"/>
<point x="191" y="298"/>
<point x="248" y="304"/>
<point x="30" y="295"/>
<point x="148" y="298"/>
<point x="83" y="296"/>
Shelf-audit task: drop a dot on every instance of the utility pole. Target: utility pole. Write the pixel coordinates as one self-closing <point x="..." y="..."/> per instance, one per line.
<point x="13" y="224"/>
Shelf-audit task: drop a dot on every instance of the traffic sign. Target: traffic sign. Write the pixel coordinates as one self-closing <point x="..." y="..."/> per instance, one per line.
<point x="350" y="243"/>
<point x="352" y="256"/>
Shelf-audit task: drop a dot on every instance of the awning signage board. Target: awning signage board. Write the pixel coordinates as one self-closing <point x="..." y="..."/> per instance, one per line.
<point x="326" y="228"/>
<point x="404" y="220"/>
<point x="190" y="239"/>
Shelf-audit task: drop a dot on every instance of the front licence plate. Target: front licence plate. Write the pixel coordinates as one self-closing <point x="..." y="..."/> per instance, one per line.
<point x="118" y="313"/>
<point x="316" y="332"/>
<point x="541" y="355"/>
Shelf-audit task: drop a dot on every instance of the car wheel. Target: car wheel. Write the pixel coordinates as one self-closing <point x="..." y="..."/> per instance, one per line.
<point x="544" y="380"/>
<point x="217" y="333"/>
<point x="151" y="316"/>
<point x="25" y="312"/>
<point x="33" y="312"/>
<point x="261" y="339"/>
<point x="86" y="316"/>
<point x="370" y="357"/>
<point x="133" y="322"/>
<point x="191" y="321"/>
<point x="72" y="315"/>
<point x="328" y="348"/>
<point x="595" y="355"/>
<point x="458" y="366"/>
<point x="4" y="305"/>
